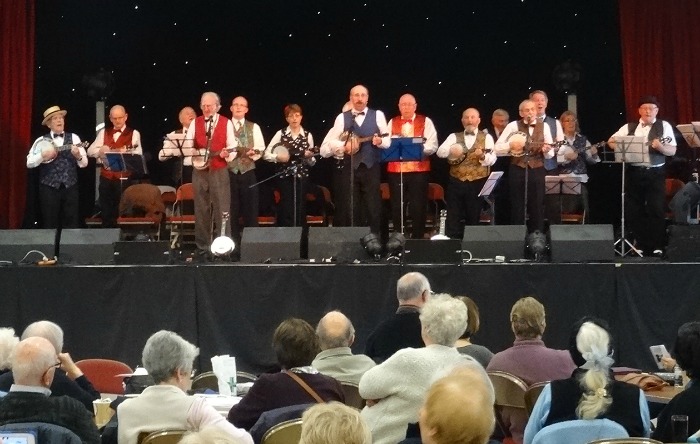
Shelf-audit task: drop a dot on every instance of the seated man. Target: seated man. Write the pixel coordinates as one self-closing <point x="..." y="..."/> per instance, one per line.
<point x="34" y="362"/>
<point x="336" y="334"/>
<point x="68" y="379"/>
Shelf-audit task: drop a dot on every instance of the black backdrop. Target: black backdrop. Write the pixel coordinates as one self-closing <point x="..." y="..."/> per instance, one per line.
<point x="109" y="311"/>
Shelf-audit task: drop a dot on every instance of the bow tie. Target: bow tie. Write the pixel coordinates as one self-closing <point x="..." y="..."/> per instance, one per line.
<point x="56" y="136"/>
<point x="407" y="121"/>
<point x="117" y="131"/>
<point x="361" y="113"/>
<point x="470" y="133"/>
<point x="644" y="125"/>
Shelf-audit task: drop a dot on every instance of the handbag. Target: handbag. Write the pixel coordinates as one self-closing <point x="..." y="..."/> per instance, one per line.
<point x="644" y="381"/>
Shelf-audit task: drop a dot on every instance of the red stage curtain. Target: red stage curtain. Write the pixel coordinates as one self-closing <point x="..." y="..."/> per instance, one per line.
<point x="661" y="56"/>
<point x="16" y="96"/>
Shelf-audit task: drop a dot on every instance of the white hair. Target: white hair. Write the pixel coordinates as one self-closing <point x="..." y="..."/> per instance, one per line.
<point x="47" y="330"/>
<point x="444" y="319"/>
<point x="8" y="341"/>
<point x="593" y="342"/>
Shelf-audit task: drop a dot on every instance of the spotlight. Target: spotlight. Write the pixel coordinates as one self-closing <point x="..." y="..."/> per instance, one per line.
<point x="395" y="244"/>
<point x="372" y="246"/>
<point x="537" y="245"/>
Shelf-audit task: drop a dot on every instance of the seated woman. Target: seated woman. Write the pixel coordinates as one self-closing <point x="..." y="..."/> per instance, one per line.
<point x="591" y="392"/>
<point x="687" y="352"/>
<point x="335" y="423"/>
<point x="395" y="389"/>
<point x="482" y="354"/>
<point x="168" y="359"/>
<point x="295" y="343"/>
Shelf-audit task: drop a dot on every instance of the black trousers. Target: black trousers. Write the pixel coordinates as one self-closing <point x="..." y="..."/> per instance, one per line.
<point x="110" y="195"/>
<point x="645" y="194"/>
<point x="244" y="202"/>
<point x="463" y="205"/>
<point x="59" y="206"/>
<point x="285" y="210"/>
<point x="415" y="195"/>
<point x="367" y="199"/>
<point x="535" y="196"/>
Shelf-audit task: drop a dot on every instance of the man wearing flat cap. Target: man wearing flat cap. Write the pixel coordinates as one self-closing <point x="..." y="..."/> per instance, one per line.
<point x="645" y="187"/>
<point x="58" y="156"/>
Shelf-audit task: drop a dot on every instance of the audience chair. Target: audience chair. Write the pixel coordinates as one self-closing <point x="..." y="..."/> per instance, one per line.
<point x="579" y="431"/>
<point x="245" y="377"/>
<point x="287" y="432"/>
<point x="509" y="391"/>
<point x="352" y="395"/>
<point x="206" y="380"/>
<point x="531" y="395"/>
<point x="44" y="432"/>
<point x="271" y="418"/>
<point x="181" y="222"/>
<point x="626" y="441"/>
<point x="161" y="437"/>
<point x="103" y="374"/>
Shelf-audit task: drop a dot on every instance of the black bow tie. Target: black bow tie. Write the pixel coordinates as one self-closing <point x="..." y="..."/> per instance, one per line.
<point x="470" y="133"/>
<point x="117" y="131"/>
<point x="361" y="113"/>
<point x="56" y="136"/>
<point x="644" y="125"/>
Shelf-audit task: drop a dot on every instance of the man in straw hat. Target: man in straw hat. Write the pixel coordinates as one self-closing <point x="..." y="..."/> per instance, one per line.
<point x="58" y="156"/>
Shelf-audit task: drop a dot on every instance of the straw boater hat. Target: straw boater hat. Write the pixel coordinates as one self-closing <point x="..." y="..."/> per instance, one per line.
<point x="50" y="113"/>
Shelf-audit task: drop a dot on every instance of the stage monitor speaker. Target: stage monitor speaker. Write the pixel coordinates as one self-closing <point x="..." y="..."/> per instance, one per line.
<point x="276" y="244"/>
<point x="582" y="243"/>
<point x="142" y="252"/>
<point x="82" y="246"/>
<point x="425" y="251"/>
<point x="683" y="243"/>
<point x="339" y="243"/>
<point x="489" y="241"/>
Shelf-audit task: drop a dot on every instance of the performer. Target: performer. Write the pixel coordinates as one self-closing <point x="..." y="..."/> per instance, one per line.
<point x="645" y="189"/>
<point x="212" y="194"/>
<point x="292" y="146"/>
<point x="573" y="158"/>
<point x="499" y="120"/>
<point x="529" y="145"/>
<point x="182" y="168"/>
<point x="415" y="173"/>
<point x="357" y="154"/>
<point x="244" y="199"/>
<point x="541" y="101"/>
<point x="58" y="157"/>
<point x="470" y="153"/>
<point x="118" y="139"/>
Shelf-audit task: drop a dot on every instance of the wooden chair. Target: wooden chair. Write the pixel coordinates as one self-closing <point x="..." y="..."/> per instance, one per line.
<point x="625" y="441"/>
<point x="352" y="395"/>
<point x="573" y="218"/>
<point x="531" y="395"/>
<point x="103" y="374"/>
<point x="181" y="222"/>
<point x="161" y="437"/>
<point x="287" y="432"/>
<point x="509" y="391"/>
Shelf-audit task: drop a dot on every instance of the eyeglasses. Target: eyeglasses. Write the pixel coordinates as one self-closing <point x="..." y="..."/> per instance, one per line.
<point x="56" y="365"/>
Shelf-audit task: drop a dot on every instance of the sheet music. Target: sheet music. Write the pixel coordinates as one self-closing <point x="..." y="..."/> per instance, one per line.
<point x="632" y="149"/>
<point x="562" y="184"/>
<point x="490" y="184"/>
<point x="690" y="133"/>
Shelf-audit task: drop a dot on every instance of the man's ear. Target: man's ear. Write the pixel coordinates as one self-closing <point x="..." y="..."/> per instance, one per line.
<point x="352" y="340"/>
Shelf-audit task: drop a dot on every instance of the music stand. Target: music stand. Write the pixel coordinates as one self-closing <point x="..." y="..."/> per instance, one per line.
<point x="691" y="133"/>
<point x="629" y="149"/>
<point x="403" y="149"/>
<point x="487" y="190"/>
<point x="562" y="185"/>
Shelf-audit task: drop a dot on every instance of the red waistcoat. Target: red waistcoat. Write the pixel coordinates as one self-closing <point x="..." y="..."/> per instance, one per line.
<point x="412" y="166"/>
<point x="218" y="140"/>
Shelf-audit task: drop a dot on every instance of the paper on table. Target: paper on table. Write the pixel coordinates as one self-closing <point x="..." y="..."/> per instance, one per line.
<point x="224" y="368"/>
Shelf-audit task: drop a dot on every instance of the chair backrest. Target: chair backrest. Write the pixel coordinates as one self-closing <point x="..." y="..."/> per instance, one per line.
<point x="271" y="418"/>
<point x="161" y="437"/>
<point x="532" y="393"/>
<point x="384" y="191"/>
<point x="44" y="432"/>
<point x="287" y="432"/>
<point x="579" y="431"/>
<point x="245" y="377"/>
<point x="185" y="192"/>
<point x="509" y="389"/>
<point x="103" y="374"/>
<point x="436" y="192"/>
<point x="626" y="441"/>
<point x="352" y="395"/>
<point x="206" y="380"/>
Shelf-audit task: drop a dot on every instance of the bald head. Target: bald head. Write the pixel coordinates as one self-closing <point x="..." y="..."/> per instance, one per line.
<point x="118" y="116"/>
<point x="335" y="330"/>
<point x="33" y="361"/>
<point x="407" y="106"/>
<point x="412" y="289"/>
<point x="47" y="330"/>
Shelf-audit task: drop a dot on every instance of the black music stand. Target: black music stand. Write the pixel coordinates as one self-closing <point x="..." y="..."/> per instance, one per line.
<point x="487" y="191"/>
<point x="127" y="163"/>
<point x="560" y="186"/>
<point x="691" y="133"/>
<point x="403" y="149"/>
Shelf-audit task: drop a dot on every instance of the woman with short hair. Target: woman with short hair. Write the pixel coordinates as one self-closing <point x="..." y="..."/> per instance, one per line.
<point x="464" y="345"/>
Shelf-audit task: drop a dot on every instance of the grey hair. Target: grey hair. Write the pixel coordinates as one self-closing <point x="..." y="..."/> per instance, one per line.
<point x="31" y="358"/>
<point x="166" y="352"/>
<point x="593" y="342"/>
<point x="213" y="94"/>
<point x="47" y="330"/>
<point x="500" y="112"/>
<point x="332" y="338"/>
<point x="444" y="319"/>
<point x="8" y="341"/>
<point x="411" y="285"/>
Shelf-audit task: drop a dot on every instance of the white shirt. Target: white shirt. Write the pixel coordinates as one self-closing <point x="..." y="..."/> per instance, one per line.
<point x="332" y="142"/>
<point x="667" y="149"/>
<point x="502" y="146"/>
<point x="94" y="149"/>
<point x="429" y="133"/>
<point x="171" y="147"/>
<point x="272" y="157"/>
<point x="469" y="140"/>
<point x="34" y="158"/>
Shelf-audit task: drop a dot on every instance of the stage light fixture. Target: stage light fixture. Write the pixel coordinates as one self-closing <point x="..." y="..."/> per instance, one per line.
<point x="395" y="244"/>
<point x="372" y="246"/>
<point x="537" y="245"/>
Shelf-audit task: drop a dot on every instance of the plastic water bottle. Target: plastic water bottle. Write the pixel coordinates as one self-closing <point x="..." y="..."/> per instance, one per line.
<point x="678" y="376"/>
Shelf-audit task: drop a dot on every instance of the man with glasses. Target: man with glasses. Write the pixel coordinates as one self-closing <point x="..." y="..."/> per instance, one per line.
<point x="645" y="190"/>
<point x="34" y="364"/>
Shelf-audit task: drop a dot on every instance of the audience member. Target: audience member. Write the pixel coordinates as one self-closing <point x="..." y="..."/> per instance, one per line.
<point x="68" y="379"/>
<point x="336" y="334"/>
<point x="211" y="435"/>
<point x="34" y="362"/>
<point x="8" y="341"/>
<point x="334" y="423"/>
<point x="168" y="359"/>
<point x="403" y="329"/>
<point x="591" y="392"/>
<point x="464" y="345"/>
<point x="395" y="389"/>
<point x="687" y="352"/>
<point x="528" y="358"/>
<point x="295" y="344"/>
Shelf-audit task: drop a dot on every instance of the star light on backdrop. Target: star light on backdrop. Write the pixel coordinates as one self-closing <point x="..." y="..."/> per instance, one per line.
<point x="450" y="54"/>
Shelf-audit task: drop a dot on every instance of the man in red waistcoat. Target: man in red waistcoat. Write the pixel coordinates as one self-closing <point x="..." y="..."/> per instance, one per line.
<point x="212" y="194"/>
<point x="118" y="139"/>
<point x="415" y="173"/>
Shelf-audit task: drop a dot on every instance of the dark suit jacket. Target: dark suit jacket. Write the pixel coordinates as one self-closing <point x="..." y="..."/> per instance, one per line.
<point x="80" y="389"/>
<point x="400" y="331"/>
<point x="59" y="410"/>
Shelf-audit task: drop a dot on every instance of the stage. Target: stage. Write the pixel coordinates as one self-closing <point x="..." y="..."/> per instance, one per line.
<point x="109" y="311"/>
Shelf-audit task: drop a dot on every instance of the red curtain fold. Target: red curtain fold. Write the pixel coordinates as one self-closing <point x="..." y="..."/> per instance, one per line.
<point x="16" y="96"/>
<point x="661" y="56"/>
